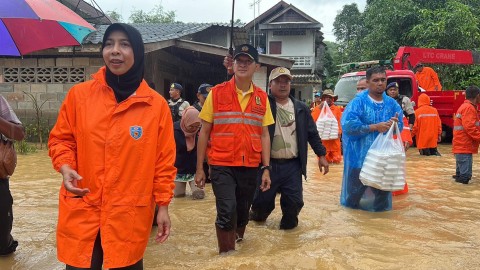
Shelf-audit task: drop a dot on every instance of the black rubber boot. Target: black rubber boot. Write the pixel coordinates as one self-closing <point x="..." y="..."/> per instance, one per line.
<point x="463" y="180"/>
<point x="288" y="222"/>
<point x="12" y="247"/>
<point x="257" y="216"/>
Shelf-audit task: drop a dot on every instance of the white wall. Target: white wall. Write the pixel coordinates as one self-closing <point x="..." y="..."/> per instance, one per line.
<point x="260" y="78"/>
<point x="294" y="45"/>
<point x="307" y="92"/>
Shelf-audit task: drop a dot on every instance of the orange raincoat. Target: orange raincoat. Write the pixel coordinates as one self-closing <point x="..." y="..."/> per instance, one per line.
<point x="125" y="153"/>
<point x="466" y="130"/>
<point x="428" y="126"/>
<point x="428" y="79"/>
<point x="334" y="148"/>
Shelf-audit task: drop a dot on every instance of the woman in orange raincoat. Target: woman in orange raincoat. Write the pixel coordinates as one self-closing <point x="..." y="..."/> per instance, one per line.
<point x="113" y="144"/>
<point x="334" y="148"/>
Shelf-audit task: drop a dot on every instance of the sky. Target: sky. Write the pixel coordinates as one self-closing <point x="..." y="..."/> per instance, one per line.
<point x="323" y="11"/>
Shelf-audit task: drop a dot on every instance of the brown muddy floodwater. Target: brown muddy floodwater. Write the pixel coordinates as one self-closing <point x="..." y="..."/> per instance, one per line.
<point x="435" y="226"/>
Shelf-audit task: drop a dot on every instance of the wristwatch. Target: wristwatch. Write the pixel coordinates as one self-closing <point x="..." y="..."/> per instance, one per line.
<point x="266" y="167"/>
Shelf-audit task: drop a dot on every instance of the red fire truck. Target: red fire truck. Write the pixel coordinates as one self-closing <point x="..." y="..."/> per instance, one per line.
<point x="446" y="101"/>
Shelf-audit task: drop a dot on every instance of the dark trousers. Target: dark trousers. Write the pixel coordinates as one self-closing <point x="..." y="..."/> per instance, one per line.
<point x="97" y="259"/>
<point x="286" y="177"/>
<point x="429" y="152"/>
<point x="7" y="244"/>
<point x="234" y="188"/>
<point x="464" y="164"/>
<point x="356" y="190"/>
<point x="207" y="174"/>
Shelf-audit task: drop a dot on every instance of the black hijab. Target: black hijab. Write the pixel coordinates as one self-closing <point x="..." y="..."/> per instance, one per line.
<point x="124" y="85"/>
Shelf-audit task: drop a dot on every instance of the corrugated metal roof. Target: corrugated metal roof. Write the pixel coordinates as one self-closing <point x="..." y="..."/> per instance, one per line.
<point x="155" y="32"/>
<point x="306" y="79"/>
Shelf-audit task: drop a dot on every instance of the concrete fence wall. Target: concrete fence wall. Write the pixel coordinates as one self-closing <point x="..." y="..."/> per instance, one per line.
<point x="49" y="93"/>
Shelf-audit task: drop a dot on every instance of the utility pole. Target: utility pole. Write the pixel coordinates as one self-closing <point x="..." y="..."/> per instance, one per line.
<point x="252" y="5"/>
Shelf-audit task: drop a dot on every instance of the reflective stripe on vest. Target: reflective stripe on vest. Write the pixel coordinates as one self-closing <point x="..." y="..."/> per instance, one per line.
<point x="477" y="124"/>
<point x="224" y="121"/>
<point x="236" y="120"/>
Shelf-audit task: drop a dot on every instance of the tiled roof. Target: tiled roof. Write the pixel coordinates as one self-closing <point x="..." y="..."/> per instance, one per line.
<point x="306" y="79"/>
<point x="155" y="32"/>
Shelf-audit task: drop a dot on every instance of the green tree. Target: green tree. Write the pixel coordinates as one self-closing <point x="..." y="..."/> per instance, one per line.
<point x="237" y="21"/>
<point x="332" y="58"/>
<point x="348" y="30"/>
<point x="114" y="15"/>
<point x="156" y="15"/>
<point x="454" y="26"/>
<point x="431" y="4"/>
<point x="449" y="24"/>
<point x="387" y="24"/>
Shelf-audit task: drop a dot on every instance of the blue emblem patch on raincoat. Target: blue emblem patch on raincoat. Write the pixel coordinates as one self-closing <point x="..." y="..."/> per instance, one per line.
<point x="136" y="132"/>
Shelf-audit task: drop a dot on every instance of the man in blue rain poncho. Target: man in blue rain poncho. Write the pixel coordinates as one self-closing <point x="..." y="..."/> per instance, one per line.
<point x="369" y="113"/>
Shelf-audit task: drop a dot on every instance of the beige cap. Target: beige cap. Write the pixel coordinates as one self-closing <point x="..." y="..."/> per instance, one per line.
<point x="329" y="92"/>
<point x="279" y="71"/>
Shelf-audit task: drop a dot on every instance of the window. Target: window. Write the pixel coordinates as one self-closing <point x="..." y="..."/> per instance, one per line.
<point x="275" y="47"/>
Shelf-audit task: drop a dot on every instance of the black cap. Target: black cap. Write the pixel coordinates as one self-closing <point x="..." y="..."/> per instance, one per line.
<point x="248" y="50"/>
<point x="203" y="89"/>
<point x="392" y="84"/>
<point x="176" y="86"/>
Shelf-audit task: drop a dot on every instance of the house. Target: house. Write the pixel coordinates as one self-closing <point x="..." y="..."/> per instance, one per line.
<point x="287" y="32"/>
<point x="187" y="53"/>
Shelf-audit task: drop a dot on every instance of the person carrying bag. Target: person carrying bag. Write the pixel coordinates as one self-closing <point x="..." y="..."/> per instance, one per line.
<point x="11" y="129"/>
<point x="8" y="158"/>
<point x="327" y="124"/>
<point x="384" y="165"/>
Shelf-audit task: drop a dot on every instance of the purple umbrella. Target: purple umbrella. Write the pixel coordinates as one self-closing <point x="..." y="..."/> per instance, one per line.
<point x="33" y="25"/>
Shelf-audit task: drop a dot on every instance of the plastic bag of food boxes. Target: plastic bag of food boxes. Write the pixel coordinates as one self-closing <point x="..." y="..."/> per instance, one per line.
<point x="327" y="124"/>
<point x="384" y="165"/>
